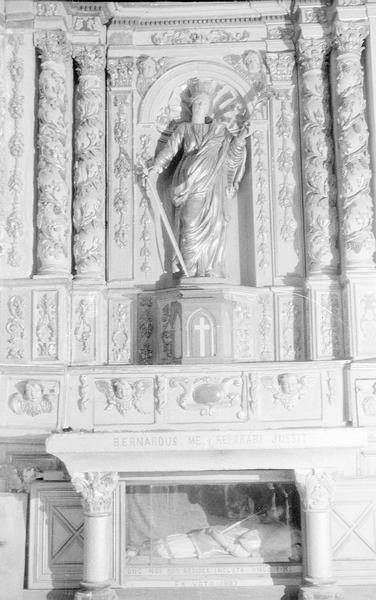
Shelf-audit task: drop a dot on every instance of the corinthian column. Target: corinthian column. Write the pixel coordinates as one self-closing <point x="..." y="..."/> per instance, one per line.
<point x="355" y="201"/>
<point x="325" y="336"/>
<point x="96" y="491"/>
<point x="316" y="492"/>
<point x="89" y="164"/>
<point x="54" y="212"/>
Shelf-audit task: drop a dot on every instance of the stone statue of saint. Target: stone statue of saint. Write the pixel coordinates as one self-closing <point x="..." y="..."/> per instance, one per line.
<point x="207" y="176"/>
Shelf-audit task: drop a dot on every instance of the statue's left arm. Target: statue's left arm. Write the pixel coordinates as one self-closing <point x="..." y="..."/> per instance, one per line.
<point x="172" y="147"/>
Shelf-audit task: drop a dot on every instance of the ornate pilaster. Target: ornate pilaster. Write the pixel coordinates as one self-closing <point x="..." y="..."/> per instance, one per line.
<point x="316" y="489"/>
<point x="53" y="217"/>
<point x="89" y="175"/>
<point x="355" y="201"/>
<point x="96" y="491"/>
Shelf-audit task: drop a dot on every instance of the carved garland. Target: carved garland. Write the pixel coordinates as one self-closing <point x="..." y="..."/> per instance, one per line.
<point x="15" y="327"/>
<point x="53" y="219"/>
<point x="46" y="327"/>
<point x="120" y="332"/>
<point x="318" y="157"/>
<point x="14" y="224"/>
<point x="89" y="178"/>
<point x="3" y="232"/>
<point x="356" y="205"/>
<point x="143" y="158"/>
<point x="122" y="170"/>
<point x="262" y="218"/>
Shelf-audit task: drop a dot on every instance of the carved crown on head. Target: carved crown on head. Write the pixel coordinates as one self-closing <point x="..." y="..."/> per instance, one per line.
<point x="198" y="86"/>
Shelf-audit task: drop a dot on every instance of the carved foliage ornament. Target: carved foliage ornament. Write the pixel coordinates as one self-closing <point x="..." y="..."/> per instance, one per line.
<point x="185" y="36"/>
<point x="280" y="65"/>
<point x="356" y="205"/>
<point x="53" y="218"/>
<point x="15" y="327"/>
<point x="96" y="490"/>
<point x="14" y="223"/>
<point x="89" y="179"/>
<point x="122" y="167"/>
<point x="318" y="156"/>
<point x="120" y="71"/>
<point x="120" y="332"/>
<point x="143" y="159"/>
<point x="46" y="327"/>
<point x="34" y="398"/>
<point x="316" y="491"/>
<point x="145" y="330"/>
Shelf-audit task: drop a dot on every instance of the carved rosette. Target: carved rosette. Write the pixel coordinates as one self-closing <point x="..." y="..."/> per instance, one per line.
<point x="53" y="219"/>
<point x="89" y="176"/>
<point x="318" y="158"/>
<point x="355" y="202"/>
<point x="316" y="490"/>
<point x="96" y="490"/>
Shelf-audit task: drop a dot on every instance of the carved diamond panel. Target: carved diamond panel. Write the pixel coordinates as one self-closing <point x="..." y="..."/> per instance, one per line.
<point x="56" y="537"/>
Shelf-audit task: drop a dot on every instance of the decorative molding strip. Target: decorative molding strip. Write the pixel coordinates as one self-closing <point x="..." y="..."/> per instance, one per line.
<point x="15" y="327"/>
<point x="187" y="36"/>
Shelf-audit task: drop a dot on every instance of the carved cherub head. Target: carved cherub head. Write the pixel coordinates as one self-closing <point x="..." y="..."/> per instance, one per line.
<point x="147" y="67"/>
<point x="251" y="61"/>
<point x="289" y="383"/>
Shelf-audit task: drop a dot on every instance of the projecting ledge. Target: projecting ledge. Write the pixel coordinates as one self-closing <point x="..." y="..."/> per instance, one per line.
<point x="149" y="451"/>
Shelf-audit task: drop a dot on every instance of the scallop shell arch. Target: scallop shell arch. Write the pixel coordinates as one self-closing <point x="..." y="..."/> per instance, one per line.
<point x="160" y="97"/>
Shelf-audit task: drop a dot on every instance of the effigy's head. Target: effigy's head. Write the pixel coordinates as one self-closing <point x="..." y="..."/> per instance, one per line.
<point x="201" y="95"/>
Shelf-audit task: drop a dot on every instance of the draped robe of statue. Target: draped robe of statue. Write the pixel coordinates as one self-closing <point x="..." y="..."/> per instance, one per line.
<point x="205" y="179"/>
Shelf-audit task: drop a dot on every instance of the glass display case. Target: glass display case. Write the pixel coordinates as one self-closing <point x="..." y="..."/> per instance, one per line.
<point x="255" y="521"/>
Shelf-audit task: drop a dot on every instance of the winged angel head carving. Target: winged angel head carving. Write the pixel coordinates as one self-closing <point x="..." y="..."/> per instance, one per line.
<point x="124" y="395"/>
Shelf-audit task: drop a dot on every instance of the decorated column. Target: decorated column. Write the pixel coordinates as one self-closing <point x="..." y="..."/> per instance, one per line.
<point x="53" y="171"/>
<point x="355" y="203"/>
<point x="89" y="164"/>
<point x="316" y="491"/>
<point x="96" y="490"/>
<point x="320" y="197"/>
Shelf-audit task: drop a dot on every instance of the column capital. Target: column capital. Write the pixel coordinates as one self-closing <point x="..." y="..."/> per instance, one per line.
<point x="52" y="45"/>
<point x="312" y="52"/>
<point x="348" y="36"/>
<point x="96" y="490"/>
<point x="316" y="489"/>
<point x="90" y="59"/>
<point x="280" y="65"/>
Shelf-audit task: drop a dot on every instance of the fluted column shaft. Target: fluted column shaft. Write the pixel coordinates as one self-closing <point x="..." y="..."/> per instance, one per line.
<point x="54" y="210"/>
<point x="353" y="160"/>
<point x="319" y="182"/>
<point x="89" y="164"/>
<point x="96" y="491"/>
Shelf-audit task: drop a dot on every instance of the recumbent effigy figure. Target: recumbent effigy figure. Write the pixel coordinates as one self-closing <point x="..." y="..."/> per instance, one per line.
<point x="252" y="532"/>
<point x="204" y="182"/>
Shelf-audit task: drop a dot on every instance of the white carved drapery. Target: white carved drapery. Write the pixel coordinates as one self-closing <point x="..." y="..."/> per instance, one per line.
<point x="353" y="160"/>
<point x="53" y="218"/>
<point x="89" y="163"/>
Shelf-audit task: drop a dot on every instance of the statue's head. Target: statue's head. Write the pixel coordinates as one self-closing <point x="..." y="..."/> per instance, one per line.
<point x="201" y="96"/>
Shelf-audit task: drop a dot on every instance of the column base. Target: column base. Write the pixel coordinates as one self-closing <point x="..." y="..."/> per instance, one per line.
<point x="96" y="594"/>
<point x="321" y="592"/>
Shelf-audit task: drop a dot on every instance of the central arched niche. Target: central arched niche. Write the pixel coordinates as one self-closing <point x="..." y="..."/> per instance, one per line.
<point x="164" y="106"/>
